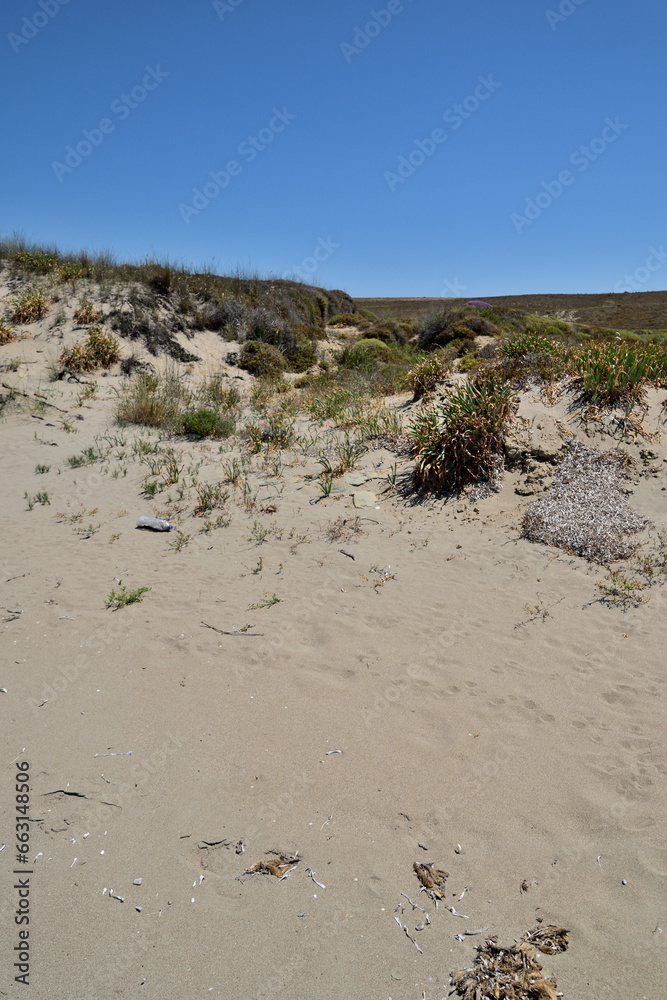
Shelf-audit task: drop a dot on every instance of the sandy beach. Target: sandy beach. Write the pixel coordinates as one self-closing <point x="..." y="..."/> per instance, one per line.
<point x="358" y="681"/>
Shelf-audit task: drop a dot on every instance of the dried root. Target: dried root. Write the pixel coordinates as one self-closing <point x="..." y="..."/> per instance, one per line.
<point x="280" y="865"/>
<point x="432" y="879"/>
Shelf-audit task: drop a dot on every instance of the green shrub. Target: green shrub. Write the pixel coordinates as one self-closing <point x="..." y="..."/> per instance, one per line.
<point x="469" y="362"/>
<point x="464" y="323"/>
<point x="350" y="319"/>
<point x="208" y="423"/>
<point x="303" y="357"/>
<point x="365" y="350"/>
<point x="35" y="261"/>
<point x="261" y="359"/>
<point x="390" y="331"/>
<point x="460" y="440"/>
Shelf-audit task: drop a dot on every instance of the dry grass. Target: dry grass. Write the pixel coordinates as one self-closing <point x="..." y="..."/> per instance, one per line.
<point x="7" y="335"/>
<point x="29" y="305"/>
<point x="100" y="350"/>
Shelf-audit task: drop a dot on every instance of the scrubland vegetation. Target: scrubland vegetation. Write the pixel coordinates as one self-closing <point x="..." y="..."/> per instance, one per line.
<point x="317" y="355"/>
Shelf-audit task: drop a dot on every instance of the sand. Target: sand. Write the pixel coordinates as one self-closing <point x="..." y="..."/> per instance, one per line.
<point x="452" y="694"/>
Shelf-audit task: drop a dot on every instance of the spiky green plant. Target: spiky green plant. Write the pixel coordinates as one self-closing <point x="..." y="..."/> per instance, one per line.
<point x="459" y="440"/>
<point x="618" y="372"/>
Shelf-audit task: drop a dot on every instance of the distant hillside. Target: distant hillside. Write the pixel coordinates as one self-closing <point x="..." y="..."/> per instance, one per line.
<point x="627" y="311"/>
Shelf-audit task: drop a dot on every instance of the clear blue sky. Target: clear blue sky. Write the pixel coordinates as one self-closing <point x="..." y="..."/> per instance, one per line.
<point x="338" y="95"/>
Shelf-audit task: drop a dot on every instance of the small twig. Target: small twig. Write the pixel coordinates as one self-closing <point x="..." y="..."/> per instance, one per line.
<point x="410" y="938"/>
<point x="348" y="554"/>
<point x="27" y="395"/>
<point x="311" y="874"/>
<point x="238" y="631"/>
<point x="416" y="907"/>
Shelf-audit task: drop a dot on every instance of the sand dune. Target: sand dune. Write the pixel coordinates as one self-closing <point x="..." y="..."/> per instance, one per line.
<point x="492" y="716"/>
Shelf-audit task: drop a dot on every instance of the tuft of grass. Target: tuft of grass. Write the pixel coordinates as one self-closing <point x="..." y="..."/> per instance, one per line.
<point x="7" y="335"/>
<point x="268" y="602"/>
<point x="87" y="457"/>
<point x="153" y="401"/>
<point x="29" y="306"/>
<point x="41" y="469"/>
<point x="86" y="313"/>
<point x="425" y="375"/>
<point x="625" y="591"/>
<point x="460" y="440"/>
<point x="41" y="497"/>
<point x="210" y="496"/>
<point x="120" y="598"/>
<point x="100" y="350"/>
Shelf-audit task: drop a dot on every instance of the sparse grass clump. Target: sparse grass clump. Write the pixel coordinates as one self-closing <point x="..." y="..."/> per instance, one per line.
<point x="122" y="597"/>
<point x="86" y="313"/>
<point x="153" y="401"/>
<point x="29" y="305"/>
<point x="460" y="440"/>
<point x="100" y="350"/>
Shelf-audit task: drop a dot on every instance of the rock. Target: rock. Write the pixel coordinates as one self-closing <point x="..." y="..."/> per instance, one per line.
<point x="548" y="449"/>
<point x="364" y="498"/>
<point x="356" y="478"/>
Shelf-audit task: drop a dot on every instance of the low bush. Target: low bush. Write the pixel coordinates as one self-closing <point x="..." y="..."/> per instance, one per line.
<point x="426" y="374"/>
<point x="100" y="350"/>
<point x="86" y="313"/>
<point x="365" y="350"/>
<point x="261" y="359"/>
<point x="303" y="357"/>
<point x="460" y="440"/>
<point x="391" y="331"/>
<point x="29" y="306"/>
<point x="439" y="328"/>
<point x="7" y="335"/>
<point x="208" y="423"/>
<point x="350" y="319"/>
